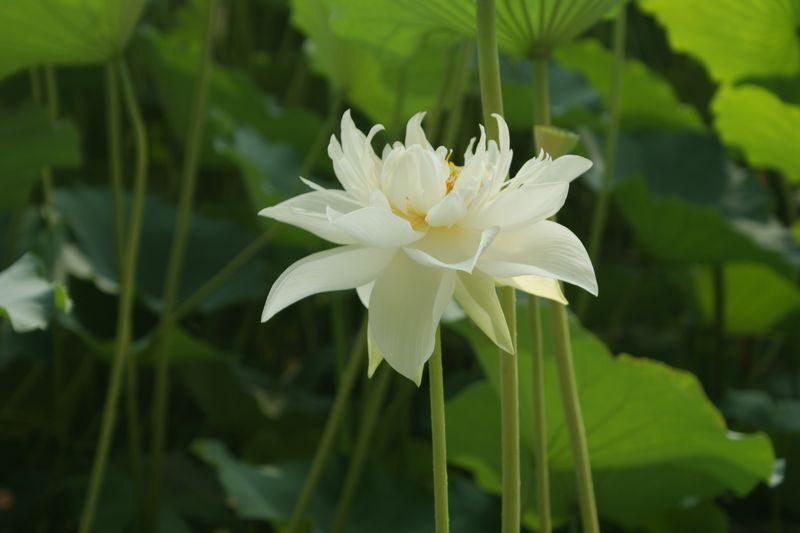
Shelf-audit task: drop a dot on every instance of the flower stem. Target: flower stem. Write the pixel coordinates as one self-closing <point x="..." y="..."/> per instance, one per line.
<point x="509" y="406"/>
<point x="456" y="113"/>
<point x="332" y="426"/>
<point x="194" y="141"/>
<point x="115" y="171"/>
<point x="539" y="420"/>
<point x="362" y="448"/>
<point x="572" y="412"/>
<point x="600" y="214"/>
<point x="492" y="102"/>
<point x="541" y="107"/>
<point x="436" y="377"/>
<point x="124" y="319"/>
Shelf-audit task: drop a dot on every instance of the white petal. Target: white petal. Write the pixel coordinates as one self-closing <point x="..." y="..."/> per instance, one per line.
<point x="308" y="211"/>
<point x="544" y="249"/>
<point x="453" y="249"/>
<point x="537" y="286"/>
<point x="562" y="170"/>
<point x="364" y="292"/>
<point x="405" y="307"/>
<point x="477" y="295"/>
<point x="523" y="205"/>
<point x="448" y="211"/>
<point x="377" y="227"/>
<point x="346" y="267"/>
<point x="415" y="133"/>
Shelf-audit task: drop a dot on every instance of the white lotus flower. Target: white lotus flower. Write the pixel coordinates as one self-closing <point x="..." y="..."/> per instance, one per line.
<point x="416" y="230"/>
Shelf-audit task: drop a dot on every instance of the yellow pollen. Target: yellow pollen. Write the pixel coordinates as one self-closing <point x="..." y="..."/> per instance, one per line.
<point x="454" y="171"/>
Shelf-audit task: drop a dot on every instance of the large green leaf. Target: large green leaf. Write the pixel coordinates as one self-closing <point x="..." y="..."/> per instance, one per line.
<point x="654" y="438"/>
<point x="647" y="99"/>
<point x="732" y="38"/>
<point x="27" y="298"/>
<point x="756" y="298"/>
<point x="211" y="244"/>
<point x="28" y="142"/>
<point x="523" y="27"/>
<point x="64" y="32"/>
<point x="384" y="501"/>
<point x="763" y="127"/>
<point x="686" y="203"/>
<point x="372" y="83"/>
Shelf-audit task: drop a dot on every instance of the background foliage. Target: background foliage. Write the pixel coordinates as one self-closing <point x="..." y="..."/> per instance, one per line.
<point x="698" y="430"/>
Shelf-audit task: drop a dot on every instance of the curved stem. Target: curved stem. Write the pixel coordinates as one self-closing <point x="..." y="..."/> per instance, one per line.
<point x="174" y="266"/>
<point x="115" y="170"/>
<point x="124" y="320"/>
<point x="600" y="214"/>
<point x="456" y="113"/>
<point x="572" y="412"/>
<point x="362" y="448"/>
<point x="332" y="426"/>
<point x="436" y="378"/>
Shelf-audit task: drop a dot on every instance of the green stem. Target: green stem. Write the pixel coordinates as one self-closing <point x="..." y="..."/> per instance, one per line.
<point x="718" y="367"/>
<point x="539" y="419"/>
<point x="509" y="406"/>
<point x="194" y="142"/>
<point x="115" y="170"/>
<point x="125" y="318"/>
<point x="332" y="426"/>
<point x="115" y="160"/>
<point x="492" y="102"/>
<point x="51" y="95"/>
<point x="541" y="106"/>
<point x="572" y="412"/>
<point x="436" y="377"/>
<point x="380" y="387"/>
<point x="600" y="214"/>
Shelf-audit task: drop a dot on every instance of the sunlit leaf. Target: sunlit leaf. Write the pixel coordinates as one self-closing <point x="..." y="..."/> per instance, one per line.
<point x="28" y="142"/>
<point x="732" y="38"/>
<point x="524" y="28"/>
<point x="756" y="298"/>
<point x="27" y="298"/>
<point x="647" y="100"/>
<point x="64" y="32"/>
<point x="654" y="438"/>
<point x="763" y="127"/>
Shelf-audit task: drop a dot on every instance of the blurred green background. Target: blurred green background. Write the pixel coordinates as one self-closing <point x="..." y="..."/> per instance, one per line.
<point x="697" y="431"/>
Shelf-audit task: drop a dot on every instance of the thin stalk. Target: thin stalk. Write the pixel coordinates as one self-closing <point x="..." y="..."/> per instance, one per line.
<point x="366" y="429"/>
<point x="194" y="141"/>
<point x="572" y="412"/>
<point x="332" y="426"/>
<point x="600" y="214"/>
<point x="216" y="281"/>
<point x="434" y="117"/>
<point x="509" y="406"/>
<point x="539" y="420"/>
<point x="492" y="102"/>
<point x="324" y="134"/>
<point x="436" y="378"/>
<point x="541" y="106"/>
<point x="125" y="318"/>
<point x="115" y="170"/>
<point x="566" y="371"/>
